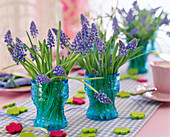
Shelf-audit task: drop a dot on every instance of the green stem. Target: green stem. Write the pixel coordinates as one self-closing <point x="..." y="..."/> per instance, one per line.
<point x="58" y="43"/>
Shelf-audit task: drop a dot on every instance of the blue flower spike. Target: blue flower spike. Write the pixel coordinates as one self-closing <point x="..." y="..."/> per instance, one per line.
<point x="33" y="29"/>
<point x="50" y="39"/>
<point x="102" y="97"/>
<point x="42" y="79"/>
<point x="59" y="71"/>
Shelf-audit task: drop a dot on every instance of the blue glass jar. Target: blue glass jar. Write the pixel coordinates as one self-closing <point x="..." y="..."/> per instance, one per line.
<point x="139" y="63"/>
<point x="110" y="86"/>
<point x="49" y="100"/>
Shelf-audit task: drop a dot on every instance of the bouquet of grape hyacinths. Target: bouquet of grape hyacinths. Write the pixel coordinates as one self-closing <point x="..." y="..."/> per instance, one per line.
<point x="142" y="23"/>
<point x="40" y="66"/>
<point x="101" y="60"/>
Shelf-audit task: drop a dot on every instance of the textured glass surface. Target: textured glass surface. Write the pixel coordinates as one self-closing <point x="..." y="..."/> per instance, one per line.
<point x="109" y="86"/>
<point x="139" y="63"/>
<point x="153" y="40"/>
<point x="49" y="100"/>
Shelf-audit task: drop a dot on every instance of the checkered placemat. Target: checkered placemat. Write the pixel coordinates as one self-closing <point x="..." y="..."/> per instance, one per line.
<point x="76" y="115"/>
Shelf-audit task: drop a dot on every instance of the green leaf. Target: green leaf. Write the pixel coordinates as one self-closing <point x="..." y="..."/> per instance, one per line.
<point x="58" y="42"/>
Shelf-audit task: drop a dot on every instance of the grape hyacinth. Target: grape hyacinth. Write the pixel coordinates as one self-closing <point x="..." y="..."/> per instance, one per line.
<point x="95" y="72"/>
<point x="63" y="38"/>
<point x="132" y="45"/>
<point x="122" y="49"/>
<point x="115" y="25"/>
<point x="33" y="29"/>
<point x="21" y="43"/>
<point x="18" y="52"/>
<point x="100" y="64"/>
<point x="168" y="33"/>
<point x="153" y="11"/>
<point x="85" y="39"/>
<point x="135" y="5"/>
<point x="134" y="31"/>
<point x="122" y="11"/>
<point x="59" y="71"/>
<point x="165" y="21"/>
<point x="42" y="79"/>
<point x="130" y="18"/>
<point x="84" y="20"/>
<point x="50" y="39"/>
<point x="100" y="45"/>
<point x="35" y="48"/>
<point x="102" y="97"/>
<point x="8" y="38"/>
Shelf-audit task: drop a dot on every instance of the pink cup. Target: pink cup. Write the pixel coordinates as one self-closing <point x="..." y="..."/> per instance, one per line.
<point x="161" y="75"/>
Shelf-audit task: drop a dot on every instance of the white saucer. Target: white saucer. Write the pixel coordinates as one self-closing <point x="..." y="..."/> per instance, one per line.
<point x="154" y="95"/>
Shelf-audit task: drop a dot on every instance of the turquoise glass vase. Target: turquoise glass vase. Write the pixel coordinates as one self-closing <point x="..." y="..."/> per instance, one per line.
<point x="139" y="63"/>
<point x="110" y="86"/>
<point x="153" y="40"/>
<point x="49" y="100"/>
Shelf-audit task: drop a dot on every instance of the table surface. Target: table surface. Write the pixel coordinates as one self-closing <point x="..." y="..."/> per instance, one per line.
<point x="157" y="126"/>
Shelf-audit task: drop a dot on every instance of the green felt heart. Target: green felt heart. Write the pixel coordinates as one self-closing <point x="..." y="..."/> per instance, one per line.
<point x="122" y="77"/>
<point x="89" y="130"/>
<point x="28" y="134"/>
<point x="23" y="109"/>
<point x="137" y="115"/>
<point x="79" y="96"/>
<point x="69" y="101"/>
<point x="121" y="130"/>
<point x="81" y="91"/>
<point x="123" y="94"/>
<point x="16" y="110"/>
<point x="9" y="105"/>
<point x="87" y="135"/>
<point x="136" y="77"/>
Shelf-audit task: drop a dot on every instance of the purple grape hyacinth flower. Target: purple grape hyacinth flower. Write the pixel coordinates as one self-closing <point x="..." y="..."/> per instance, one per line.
<point x="85" y="39"/>
<point x="135" y="5"/>
<point x="50" y="39"/>
<point x="122" y="11"/>
<point x="153" y="11"/>
<point x="134" y="31"/>
<point x="35" y="48"/>
<point x="84" y="20"/>
<point x="168" y="33"/>
<point x="8" y="38"/>
<point x="18" y="52"/>
<point x="59" y="71"/>
<point x="33" y="29"/>
<point x="95" y="72"/>
<point x="42" y="79"/>
<point x="122" y="49"/>
<point x="100" y="45"/>
<point x="165" y="21"/>
<point x="102" y="97"/>
<point x="100" y="64"/>
<point x="132" y="45"/>
<point x="63" y="38"/>
<point x="21" y="43"/>
<point x="115" y="25"/>
<point x="130" y="17"/>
